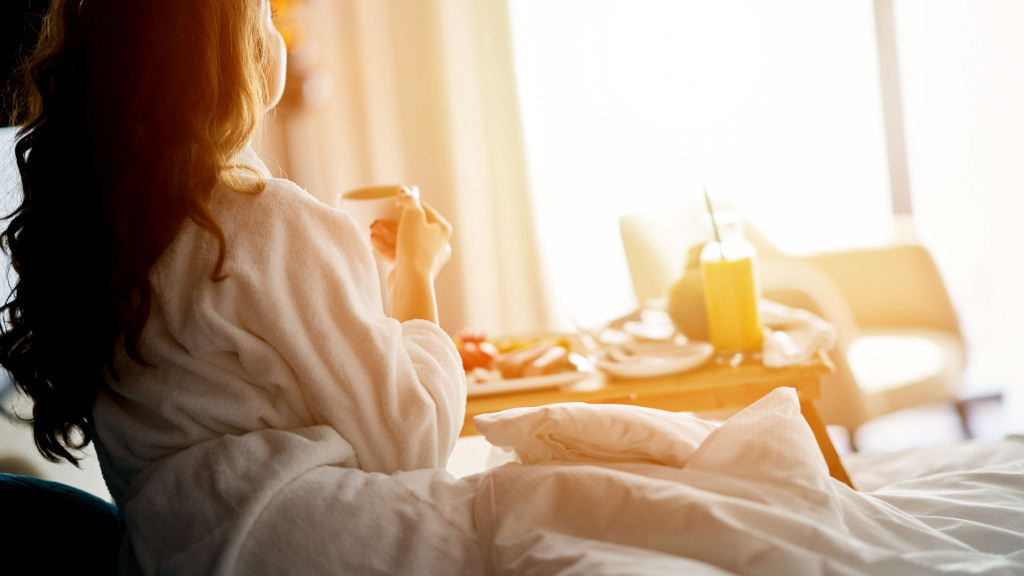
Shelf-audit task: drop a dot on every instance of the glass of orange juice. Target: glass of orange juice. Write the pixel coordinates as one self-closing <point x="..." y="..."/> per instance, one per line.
<point x="731" y="291"/>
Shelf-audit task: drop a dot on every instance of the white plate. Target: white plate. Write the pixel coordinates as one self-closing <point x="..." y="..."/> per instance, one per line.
<point x="521" y="384"/>
<point x="650" y="359"/>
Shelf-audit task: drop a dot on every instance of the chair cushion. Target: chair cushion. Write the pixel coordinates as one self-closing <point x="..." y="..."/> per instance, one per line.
<point x="927" y="361"/>
<point x="52" y="528"/>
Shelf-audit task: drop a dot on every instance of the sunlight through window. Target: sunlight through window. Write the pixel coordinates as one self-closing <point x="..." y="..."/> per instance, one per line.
<point x="962" y="71"/>
<point x="628" y="104"/>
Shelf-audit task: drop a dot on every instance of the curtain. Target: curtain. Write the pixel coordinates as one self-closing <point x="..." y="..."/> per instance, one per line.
<point x="424" y="93"/>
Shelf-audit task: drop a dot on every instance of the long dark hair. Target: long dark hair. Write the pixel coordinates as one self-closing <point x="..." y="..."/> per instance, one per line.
<point x="132" y="112"/>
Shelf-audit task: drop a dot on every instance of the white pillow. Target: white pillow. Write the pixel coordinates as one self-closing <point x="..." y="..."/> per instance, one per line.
<point x="576" y="431"/>
<point x="769" y="442"/>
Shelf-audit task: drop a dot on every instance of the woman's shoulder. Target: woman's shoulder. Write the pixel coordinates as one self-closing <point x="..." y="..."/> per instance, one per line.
<point x="264" y="218"/>
<point x="277" y="235"/>
<point x="261" y="195"/>
<point x="267" y="203"/>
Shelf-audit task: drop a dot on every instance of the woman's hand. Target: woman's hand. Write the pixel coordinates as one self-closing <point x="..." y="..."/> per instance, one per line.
<point x="420" y="237"/>
<point x="418" y="246"/>
<point x="383" y="234"/>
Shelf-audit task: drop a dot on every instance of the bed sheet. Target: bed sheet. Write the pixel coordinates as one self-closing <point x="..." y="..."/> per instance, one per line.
<point x="875" y="471"/>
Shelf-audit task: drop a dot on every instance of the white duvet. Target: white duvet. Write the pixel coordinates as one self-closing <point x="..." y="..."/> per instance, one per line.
<point x="752" y="497"/>
<point x="602" y="490"/>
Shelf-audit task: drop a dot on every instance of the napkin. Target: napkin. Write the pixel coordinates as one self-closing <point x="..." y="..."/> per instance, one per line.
<point x="791" y="335"/>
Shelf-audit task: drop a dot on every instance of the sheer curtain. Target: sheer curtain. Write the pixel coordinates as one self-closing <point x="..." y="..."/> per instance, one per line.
<point x="424" y="92"/>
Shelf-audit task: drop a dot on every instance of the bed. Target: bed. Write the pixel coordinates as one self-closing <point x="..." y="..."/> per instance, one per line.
<point x="592" y="489"/>
<point x="596" y="490"/>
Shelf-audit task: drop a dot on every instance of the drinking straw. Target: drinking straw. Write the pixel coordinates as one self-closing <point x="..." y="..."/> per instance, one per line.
<point x="711" y="212"/>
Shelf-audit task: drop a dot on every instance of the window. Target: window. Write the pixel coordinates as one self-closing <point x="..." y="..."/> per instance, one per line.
<point x="629" y="104"/>
<point x="962" y="77"/>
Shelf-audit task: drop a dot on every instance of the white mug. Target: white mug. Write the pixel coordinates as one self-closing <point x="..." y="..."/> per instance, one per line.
<point x="366" y="205"/>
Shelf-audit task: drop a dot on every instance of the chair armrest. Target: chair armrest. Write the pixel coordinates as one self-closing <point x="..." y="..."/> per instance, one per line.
<point x="800" y="284"/>
<point x="896" y="285"/>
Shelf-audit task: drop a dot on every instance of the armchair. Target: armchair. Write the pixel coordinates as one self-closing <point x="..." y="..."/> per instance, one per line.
<point x="899" y="343"/>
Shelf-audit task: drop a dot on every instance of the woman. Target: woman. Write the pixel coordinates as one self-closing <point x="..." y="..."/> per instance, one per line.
<point x="215" y="331"/>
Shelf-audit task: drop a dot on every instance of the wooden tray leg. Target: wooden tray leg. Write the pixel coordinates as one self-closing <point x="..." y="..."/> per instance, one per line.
<point x="835" y="465"/>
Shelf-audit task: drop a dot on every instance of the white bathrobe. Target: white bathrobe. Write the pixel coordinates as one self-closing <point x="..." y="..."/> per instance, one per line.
<point x="288" y="365"/>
